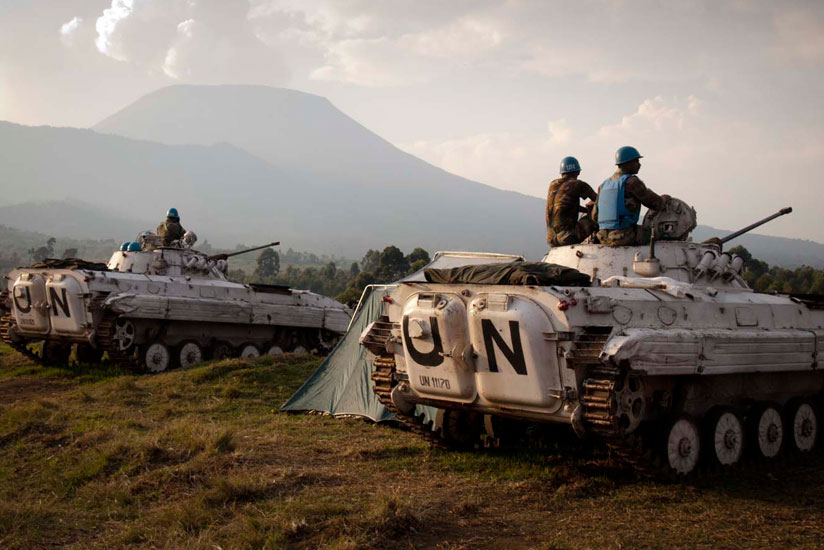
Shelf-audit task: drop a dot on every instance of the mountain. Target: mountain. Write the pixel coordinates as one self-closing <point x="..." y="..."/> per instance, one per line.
<point x="228" y="195"/>
<point x="70" y="218"/>
<point x="248" y="164"/>
<point x="781" y="251"/>
<point x="286" y="128"/>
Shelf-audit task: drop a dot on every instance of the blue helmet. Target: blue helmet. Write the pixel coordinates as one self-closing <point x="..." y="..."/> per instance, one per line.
<point x="172" y="213"/>
<point x="125" y="246"/>
<point x="134" y="247"/>
<point x="570" y="164"/>
<point x="626" y="154"/>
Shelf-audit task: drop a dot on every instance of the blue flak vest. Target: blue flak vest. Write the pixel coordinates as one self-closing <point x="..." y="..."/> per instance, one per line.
<point x="612" y="211"/>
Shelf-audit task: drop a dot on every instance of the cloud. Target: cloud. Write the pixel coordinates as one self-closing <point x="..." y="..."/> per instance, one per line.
<point x="374" y="62"/>
<point x="68" y="30"/>
<point x="559" y="131"/>
<point x="654" y="114"/>
<point x="204" y="41"/>
<point x="402" y="60"/>
<point x="669" y="130"/>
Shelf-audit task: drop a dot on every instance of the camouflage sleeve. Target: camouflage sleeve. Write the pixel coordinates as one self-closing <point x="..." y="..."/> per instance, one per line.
<point x="645" y="196"/>
<point x="586" y="191"/>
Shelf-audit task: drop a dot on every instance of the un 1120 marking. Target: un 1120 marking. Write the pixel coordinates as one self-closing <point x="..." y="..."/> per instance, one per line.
<point x="433" y="382"/>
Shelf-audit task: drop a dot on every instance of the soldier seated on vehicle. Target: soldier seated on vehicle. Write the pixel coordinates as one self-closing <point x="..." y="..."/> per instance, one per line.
<point x="563" y="227"/>
<point x="171" y="230"/>
<point x="619" y="202"/>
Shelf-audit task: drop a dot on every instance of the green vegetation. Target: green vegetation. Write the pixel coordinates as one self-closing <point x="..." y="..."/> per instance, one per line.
<point x="376" y="267"/>
<point x="19" y="248"/>
<point x="200" y="458"/>
<point x="763" y="278"/>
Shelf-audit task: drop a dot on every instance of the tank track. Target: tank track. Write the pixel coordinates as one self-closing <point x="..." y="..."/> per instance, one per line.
<point x="598" y="402"/>
<point x="7" y="324"/>
<point x="384" y="378"/>
<point x="106" y="331"/>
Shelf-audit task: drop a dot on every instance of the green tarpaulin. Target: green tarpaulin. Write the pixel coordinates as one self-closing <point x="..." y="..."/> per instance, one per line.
<point x="342" y="385"/>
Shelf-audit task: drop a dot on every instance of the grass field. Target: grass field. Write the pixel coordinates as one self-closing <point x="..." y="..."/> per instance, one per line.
<point x="99" y="458"/>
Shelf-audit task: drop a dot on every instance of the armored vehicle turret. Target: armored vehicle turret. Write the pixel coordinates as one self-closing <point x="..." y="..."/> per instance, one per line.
<point x="161" y="307"/>
<point x="661" y="351"/>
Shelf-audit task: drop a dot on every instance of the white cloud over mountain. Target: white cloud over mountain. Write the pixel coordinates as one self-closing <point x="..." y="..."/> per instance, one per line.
<point x="492" y="90"/>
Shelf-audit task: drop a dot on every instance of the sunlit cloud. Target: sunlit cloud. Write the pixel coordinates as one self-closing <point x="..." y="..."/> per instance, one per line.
<point x="68" y="30"/>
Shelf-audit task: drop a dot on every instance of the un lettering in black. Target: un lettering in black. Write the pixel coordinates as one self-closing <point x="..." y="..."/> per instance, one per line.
<point x="432" y="358"/>
<point x="62" y="301"/>
<point x="514" y="354"/>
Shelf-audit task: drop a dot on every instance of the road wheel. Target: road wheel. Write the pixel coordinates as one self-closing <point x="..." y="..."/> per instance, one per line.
<point x="157" y="357"/>
<point x="682" y="447"/>
<point x="802" y="425"/>
<point x="87" y="355"/>
<point x="55" y="353"/>
<point x="189" y="354"/>
<point x="275" y="350"/>
<point x="221" y="350"/>
<point x="124" y="336"/>
<point x="724" y="437"/>
<point x="766" y="431"/>
<point x="299" y="350"/>
<point x="249" y="351"/>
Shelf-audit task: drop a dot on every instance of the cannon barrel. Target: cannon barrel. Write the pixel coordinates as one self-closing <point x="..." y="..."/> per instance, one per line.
<point x="229" y="255"/>
<point x="740" y="232"/>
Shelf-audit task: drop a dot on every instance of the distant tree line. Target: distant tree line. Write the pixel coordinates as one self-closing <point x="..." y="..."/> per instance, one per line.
<point x="345" y="284"/>
<point x="763" y="278"/>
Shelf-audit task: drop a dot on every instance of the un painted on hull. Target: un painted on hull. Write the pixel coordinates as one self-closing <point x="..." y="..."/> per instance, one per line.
<point x="161" y="306"/>
<point x="667" y="343"/>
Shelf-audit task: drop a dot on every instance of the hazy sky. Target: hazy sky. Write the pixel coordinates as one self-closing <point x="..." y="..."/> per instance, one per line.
<point x="723" y="98"/>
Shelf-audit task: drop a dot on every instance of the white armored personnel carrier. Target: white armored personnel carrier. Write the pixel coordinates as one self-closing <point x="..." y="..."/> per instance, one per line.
<point x="661" y="351"/>
<point x="161" y="306"/>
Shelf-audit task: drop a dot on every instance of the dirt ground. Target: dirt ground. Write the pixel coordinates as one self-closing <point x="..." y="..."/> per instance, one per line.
<point x="201" y="458"/>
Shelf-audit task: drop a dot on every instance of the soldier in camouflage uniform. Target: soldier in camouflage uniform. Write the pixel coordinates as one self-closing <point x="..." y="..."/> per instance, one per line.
<point x="171" y="230"/>
<point x="563" y="206"/>
<point x="620" y="198"/>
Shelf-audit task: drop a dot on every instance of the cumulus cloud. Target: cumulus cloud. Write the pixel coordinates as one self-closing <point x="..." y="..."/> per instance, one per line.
<point x="68" y="30"/>
<point x="656" y="114"/>
<point x="193" y="40"/>
<point x="668" y="129"/>
<point x="405" y="59"/>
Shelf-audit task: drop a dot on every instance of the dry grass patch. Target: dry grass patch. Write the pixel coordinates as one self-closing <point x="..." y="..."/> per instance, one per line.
<point x="199" y="458"/>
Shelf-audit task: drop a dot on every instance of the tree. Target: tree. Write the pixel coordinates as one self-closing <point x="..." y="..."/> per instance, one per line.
<point x="417" y="259"/>
<point x="393" y="264"/>
<point x="43" y="252"/>
<point x="268" y="263"/>
<point x="354" y="270"/>
<point x="371" y="261"/>
<point x="417" y="255"/>
<point x="354" y="289"/>
<point x="329" y="271"/>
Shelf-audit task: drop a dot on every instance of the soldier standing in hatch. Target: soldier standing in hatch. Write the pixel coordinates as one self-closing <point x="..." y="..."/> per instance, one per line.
<point x="563" y="206"/>
<point x="171" y="230"/>
<point x="619" y="202"/>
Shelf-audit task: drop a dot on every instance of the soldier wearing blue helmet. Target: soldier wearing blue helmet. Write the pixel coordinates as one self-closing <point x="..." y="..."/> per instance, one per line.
<point x="563" y="205"/>
<point x="171" y="230"/>
<point x="620" y="198"/>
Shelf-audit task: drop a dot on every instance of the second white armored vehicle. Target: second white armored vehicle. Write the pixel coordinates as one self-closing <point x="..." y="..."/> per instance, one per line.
<point x="162" y="307"/>
<point x="663" y="352"/>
